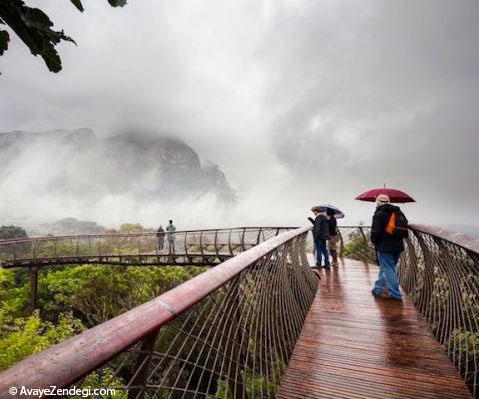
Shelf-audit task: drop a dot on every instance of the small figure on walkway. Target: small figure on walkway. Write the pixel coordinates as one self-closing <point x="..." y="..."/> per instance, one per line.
<point x="320" y="235"/>
<point x="333" y="233"/>
<point x="170" y="234"/>
<point x="160" y="234"/>
<point x="388" y="229"/>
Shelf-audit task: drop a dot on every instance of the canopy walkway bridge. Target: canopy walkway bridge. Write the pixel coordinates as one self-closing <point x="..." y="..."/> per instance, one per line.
<point x="260" y="323"/>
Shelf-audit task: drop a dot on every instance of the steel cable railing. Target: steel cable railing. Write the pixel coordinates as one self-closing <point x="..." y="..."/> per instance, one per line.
<point x="227" y="333"/>
<point x="182" y="247"/>
<point x="440" y="273"/>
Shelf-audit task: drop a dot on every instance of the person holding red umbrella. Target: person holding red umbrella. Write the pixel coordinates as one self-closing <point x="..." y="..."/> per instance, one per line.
<point x="389" y="227"/>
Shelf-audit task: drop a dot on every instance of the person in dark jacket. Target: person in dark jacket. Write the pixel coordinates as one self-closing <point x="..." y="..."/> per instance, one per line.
<point x="160" y="234"/>
<point x="333" y="233"/>
<point x="320" y="235"/>
<point x="388" y="249"/>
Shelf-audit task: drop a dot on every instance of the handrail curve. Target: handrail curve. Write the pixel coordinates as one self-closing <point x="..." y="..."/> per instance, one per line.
<point x="467" y="241"/>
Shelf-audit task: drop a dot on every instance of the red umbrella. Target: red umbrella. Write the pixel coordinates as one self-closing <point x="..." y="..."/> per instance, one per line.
<point x="397" y="196"/>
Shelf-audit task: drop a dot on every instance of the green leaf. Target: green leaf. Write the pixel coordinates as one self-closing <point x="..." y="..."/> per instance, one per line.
<point x="117" y="3"/>
<point x="78" y="4"/>
<point x="34" y="28"/>
<point x="4" y="39"/>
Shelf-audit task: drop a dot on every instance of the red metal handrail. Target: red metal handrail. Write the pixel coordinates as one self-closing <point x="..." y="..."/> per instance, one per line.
<point x="466" y="241"/>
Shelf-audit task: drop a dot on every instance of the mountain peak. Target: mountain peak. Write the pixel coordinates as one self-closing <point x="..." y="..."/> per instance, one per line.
<point x="78" y="166"/>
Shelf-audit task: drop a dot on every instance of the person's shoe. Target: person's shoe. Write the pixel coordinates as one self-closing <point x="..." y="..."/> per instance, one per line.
<point x="326" y="267"/>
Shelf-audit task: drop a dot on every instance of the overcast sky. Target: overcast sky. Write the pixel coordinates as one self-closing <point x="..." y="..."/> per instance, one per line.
<point x="299" y="102"/>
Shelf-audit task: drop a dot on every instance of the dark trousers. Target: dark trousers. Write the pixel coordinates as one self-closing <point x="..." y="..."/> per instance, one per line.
<point x="322" y="251"/>
<point x="161" y="242"/>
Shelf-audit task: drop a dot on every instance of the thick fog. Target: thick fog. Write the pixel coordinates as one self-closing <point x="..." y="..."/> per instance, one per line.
<point x="298" y="102"/>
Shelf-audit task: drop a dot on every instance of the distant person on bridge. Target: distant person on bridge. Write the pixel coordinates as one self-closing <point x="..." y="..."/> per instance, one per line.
<point x="160" y="234"/>
<point x="170" y="234"/>
<point x="321" y="235"/>
<point x="333" y="233"/>
<point x="388" y="229"/>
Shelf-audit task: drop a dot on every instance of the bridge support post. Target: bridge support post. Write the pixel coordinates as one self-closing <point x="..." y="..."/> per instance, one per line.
<point x="33" y="270"/>
<point x="341" y="244"/>
<point x="453" y="318"/>
<point x="428" y="278"/>
<point x="142" y="366"/>
<point x="408" y="272"/>
<point x="369" y="255"/>
<point x="235" y="348"/>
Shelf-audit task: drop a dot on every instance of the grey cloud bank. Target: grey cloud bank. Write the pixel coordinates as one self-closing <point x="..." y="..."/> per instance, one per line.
<point x="298" y="102"/>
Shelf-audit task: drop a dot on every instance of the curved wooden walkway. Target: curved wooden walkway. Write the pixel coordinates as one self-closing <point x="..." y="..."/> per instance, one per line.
<point x="353" y="345"/>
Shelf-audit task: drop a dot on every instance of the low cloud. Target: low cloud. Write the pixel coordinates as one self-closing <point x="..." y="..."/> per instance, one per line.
<point x="298" y="102"/>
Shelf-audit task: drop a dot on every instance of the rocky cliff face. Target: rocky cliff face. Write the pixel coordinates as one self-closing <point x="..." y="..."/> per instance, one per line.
<point x="79" y="165"/>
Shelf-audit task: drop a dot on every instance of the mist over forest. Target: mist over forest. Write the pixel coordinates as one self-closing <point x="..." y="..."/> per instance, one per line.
<point x="47" y="176"/>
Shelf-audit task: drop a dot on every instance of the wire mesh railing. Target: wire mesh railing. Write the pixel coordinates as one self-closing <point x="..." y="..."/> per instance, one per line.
<point x="227" y="333"/>
<point x="440" y="273"/>
<point x="150" y="248"/>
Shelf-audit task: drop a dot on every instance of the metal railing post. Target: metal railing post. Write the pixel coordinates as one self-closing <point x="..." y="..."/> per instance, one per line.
<point x="428" y="280"/>
<point x="259" y="236"/>
<point x="186" y="246"/>
<point x="341" y="244"/>
<point x="229" y="243"/>
<point x="33" y="270"/>
<point x="142" y="366"/>
<point x="243" y="247"/>
<point x="201" y="248"/>
<point x="216" y="244"/>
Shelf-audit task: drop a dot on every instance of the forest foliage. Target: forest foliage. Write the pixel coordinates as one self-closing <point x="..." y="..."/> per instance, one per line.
<point x="72" y="299"/>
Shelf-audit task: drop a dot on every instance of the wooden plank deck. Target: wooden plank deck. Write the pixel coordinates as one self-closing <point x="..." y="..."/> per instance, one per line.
<point x="353" y="345"/>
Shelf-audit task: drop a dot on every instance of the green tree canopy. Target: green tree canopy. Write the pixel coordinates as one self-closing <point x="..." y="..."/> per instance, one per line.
<point x="34" y="28"/>
<point x="11" y="232"/>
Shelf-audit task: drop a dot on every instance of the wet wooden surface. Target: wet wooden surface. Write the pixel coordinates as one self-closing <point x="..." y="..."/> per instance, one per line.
<point x="353" y="345"/>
